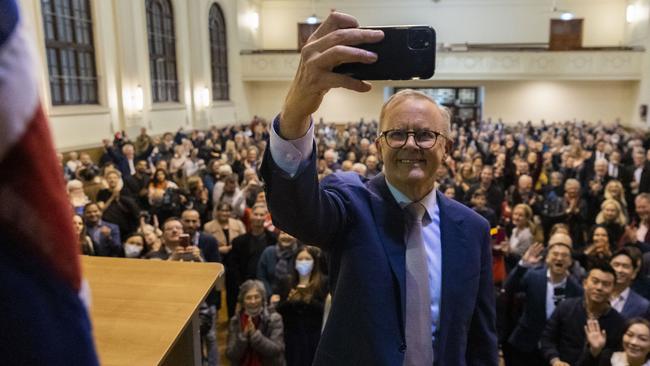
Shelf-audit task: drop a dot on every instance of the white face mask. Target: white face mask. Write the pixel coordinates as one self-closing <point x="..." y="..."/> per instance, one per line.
<point x="132" y="250"/>
<point x="304" y="266"/>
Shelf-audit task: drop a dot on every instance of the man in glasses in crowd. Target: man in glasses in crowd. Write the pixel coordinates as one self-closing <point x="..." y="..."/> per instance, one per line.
<point x="410" y="270"/>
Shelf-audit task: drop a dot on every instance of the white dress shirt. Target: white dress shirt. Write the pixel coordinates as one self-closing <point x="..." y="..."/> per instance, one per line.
<point x="618" y="302"/>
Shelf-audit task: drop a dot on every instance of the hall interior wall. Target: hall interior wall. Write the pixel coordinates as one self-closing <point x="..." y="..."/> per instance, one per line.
<point x="122" y="62"/>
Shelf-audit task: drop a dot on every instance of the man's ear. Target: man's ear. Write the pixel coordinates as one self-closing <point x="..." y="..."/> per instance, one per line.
<point x="378" y="146"/>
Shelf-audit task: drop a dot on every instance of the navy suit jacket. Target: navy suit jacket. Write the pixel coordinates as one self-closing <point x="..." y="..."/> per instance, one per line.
<point x="362" y="227"/>
<point x="525" y="337"/>
<point x="635" y="306"/>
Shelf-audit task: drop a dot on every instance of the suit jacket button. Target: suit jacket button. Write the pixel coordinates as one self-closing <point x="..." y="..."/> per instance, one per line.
<point x="402" y="348"/>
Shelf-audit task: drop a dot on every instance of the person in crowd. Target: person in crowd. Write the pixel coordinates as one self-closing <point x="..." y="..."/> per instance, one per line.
<point x="226" y="228"/>
<point x="143" y="142"/>
<point x="302" y="307"/>
<point x="76" y="195"/>
<point x="171" y="249"/>
<point x="85" y="243"/>
<point x="555" y="188"/>
<point x="134" y="246"/>
<point x="125" y="158"/>
<point x="198" y="198"/>
<point x="158" y="185"/>
<point x="493" y="192"/>
<point x="361" y="222"/>
<point x="479" y="204"/>
<point x="639" y="230"/>
<point x="73" y="163"/>
<point x="230" y="193"/>
<point x="117" y="206"/>
<point x="247" y="248"/>
<point x="635" y="345"/>
<point x="372" y="163"/>
<point x="570" y="209"/>
<point x="137" y="185"/>
<point x="274" y="266"/>
<point x="255" y="335"/>
<point x="599" y="251"/>
<point x="563" y="339"/>
<point x="522" y="235"/>
<point x="625" y="300"/>
<point x="639" y="173"/>
<point x="152" y="237"/>
<point x="612" y="217"/>
<point x="544" y="287"/>
<point x="105" y="235"/>
<point x="614" y="190"/>
<point x="165" y="197"/>
<point x="208" y="244"/>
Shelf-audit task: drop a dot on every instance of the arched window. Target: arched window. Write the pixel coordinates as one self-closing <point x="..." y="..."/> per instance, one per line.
<point x="218" y="54"/>
<point x="70" y="52"/>
<point x="162" y="51"/>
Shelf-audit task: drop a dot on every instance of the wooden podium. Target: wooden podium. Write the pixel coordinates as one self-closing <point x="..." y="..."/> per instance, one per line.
<point x="145" y="312"/>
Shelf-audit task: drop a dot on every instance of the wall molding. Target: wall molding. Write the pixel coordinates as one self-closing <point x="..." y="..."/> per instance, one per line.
<point x="570" y="65"/>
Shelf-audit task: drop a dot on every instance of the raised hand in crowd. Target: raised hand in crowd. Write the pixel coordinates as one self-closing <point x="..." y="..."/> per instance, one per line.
<point x="595" y="337"/>
<point x="105" y="231"/>
<point x="533" y="255"/>
<point x="326" y="48"/>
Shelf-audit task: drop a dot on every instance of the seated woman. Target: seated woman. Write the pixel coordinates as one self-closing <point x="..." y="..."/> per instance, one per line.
<point x="636" y="345"/>
<point x="255" y="336"/>
<point x="302" y="309"/>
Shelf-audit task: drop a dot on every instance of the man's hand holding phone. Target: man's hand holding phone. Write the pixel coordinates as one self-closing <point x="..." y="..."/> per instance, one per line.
<point x="330" y="45"/>
<point x="185" y="251"/>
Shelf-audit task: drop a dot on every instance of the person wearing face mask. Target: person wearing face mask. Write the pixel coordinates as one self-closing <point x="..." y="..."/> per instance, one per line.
<point x="255" y="335"/>
<point x="274" y="266"/>
<point x="134" y="246"/>
<point x="302" y="308"/>
<point x="635" y="342"/>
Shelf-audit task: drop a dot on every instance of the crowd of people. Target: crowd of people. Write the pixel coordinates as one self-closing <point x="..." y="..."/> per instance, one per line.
<point x="568" y="203"/>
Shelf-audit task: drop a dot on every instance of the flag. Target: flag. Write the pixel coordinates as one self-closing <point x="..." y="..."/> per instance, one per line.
<point x="42" y="319"/>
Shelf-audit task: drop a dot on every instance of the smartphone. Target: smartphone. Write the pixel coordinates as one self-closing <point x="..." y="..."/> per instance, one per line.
<point x="184" y="240"/>
<point x="405" y="53"/>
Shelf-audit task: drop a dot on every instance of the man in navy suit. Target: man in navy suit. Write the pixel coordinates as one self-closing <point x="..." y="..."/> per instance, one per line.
<point x="362" y="223"/>
<point x="627" y="302"/>
<point x="545" y="287"/>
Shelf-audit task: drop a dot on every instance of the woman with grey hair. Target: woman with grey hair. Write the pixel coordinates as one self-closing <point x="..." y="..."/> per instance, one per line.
<point x="255" y="336"/>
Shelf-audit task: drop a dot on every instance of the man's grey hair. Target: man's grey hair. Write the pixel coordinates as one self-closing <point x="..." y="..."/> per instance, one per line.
<point x="415" y="94"/>
<point x="249" y="285"/>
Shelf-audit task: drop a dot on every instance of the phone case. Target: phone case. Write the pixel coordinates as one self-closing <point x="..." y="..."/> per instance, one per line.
<point x="397" y="59"/>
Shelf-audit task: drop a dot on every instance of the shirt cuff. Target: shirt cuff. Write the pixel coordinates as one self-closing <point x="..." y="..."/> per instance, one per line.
<point x="525" y="264"/>
<point x="289" y="154"/>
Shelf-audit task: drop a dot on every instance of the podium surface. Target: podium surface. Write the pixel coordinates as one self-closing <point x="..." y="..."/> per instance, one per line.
<point x="145" y="312"/>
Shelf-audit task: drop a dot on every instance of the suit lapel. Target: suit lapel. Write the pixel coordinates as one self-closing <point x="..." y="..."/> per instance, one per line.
<point x="390" y="226"/>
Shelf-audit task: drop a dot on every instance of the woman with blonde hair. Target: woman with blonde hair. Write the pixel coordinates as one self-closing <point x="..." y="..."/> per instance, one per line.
<point x="614" y="190"/>
<point x="76" y="196"/>
<point x="611" y="217"/>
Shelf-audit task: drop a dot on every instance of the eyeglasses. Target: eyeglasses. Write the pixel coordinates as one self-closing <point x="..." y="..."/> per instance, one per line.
<point x="424" y="139"/>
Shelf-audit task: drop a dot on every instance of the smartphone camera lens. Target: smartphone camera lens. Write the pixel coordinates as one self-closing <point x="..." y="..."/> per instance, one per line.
<point x="419" y="39"/>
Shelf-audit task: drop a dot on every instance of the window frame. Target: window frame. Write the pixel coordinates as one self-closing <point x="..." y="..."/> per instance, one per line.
<point x="70" y="54"/>
<point x="218" y="46"/>
<point x="161" y="42"/>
